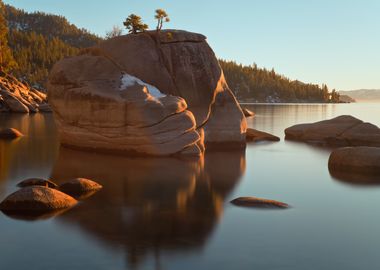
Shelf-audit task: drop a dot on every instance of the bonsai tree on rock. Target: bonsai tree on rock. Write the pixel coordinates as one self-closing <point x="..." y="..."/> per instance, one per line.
<point x="161" y="17"/>
<point x="134" y="24"/>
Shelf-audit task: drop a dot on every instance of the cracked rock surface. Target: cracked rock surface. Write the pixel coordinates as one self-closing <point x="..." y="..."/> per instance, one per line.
<point x="93" y="111"/>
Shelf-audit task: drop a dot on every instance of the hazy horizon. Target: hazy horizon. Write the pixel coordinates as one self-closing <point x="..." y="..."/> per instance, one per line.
<point x="332" y="43"/>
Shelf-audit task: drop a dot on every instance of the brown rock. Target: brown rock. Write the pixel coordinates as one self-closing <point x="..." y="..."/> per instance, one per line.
<point x="258" y="203"/>
<point x="179" y="63"/>
<point x="37" y="182"/>
<point x="254" y="135"/>
<point x="16" y="96"/>
<point x="248" y="113"/>
<point x="364" y="160"/>
<point x="38" y="199"/>
<point x="79" y="186"/>
<point x="344" y="130"/>
<point x="10" y="133"/>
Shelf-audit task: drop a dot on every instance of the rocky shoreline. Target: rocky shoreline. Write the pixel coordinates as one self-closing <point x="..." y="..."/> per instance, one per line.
<point x="19" y="97"/>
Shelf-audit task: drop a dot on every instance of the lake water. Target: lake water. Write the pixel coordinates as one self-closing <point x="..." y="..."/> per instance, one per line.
<point x="168" y="213"/>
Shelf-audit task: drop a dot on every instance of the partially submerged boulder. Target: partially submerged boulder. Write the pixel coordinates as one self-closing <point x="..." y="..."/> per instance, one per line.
<point x="16" y="96"/>
<point x="259" y="203"/>
<point x="254" y="135"/>
<point x="248" y="113"/>
<point x="37" y="182"/>
<point x="10" y="133"/>
<point x="363" y="160"/>
<point x="145" y="93"/>
<point x="80" y="187"/>
<point x="37" y="199"/>
<point x="343" y="130"/>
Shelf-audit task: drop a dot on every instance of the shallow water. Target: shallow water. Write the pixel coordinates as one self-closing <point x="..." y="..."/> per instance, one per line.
<point x="168" y="213"/>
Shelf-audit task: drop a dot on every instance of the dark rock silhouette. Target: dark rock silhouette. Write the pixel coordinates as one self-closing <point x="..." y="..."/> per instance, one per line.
<point x="10" y="133"/>
<point x="254" y="135"/>
<point x="255" y="202"/>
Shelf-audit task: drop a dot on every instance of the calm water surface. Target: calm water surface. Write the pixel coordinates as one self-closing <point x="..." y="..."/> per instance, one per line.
<point x="170" y="213"/>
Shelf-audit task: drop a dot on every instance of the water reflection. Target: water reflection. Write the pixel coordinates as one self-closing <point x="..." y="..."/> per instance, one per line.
<point x="31" y="155"/>
<point x="355" y="179"/>
<point x="150" y="205"/>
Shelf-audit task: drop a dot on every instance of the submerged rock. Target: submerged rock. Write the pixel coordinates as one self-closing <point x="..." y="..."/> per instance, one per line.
<point x="145" y="94"/>
<point x="343" y="130"/>
<point x="19" y="97"/>
<point x="258" y="203"/>
<point x="10" y="133"/>
<point x="37" y="182"/>
<point x="248" y="113"/>
<point x="37" y="199"/>
<point x="254" y="135"/>
<point x="80" y="187"/>
<point x="363" y="160"/>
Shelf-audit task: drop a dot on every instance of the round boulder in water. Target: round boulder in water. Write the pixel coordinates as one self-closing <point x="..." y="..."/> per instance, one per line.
<point x="79" y="187"/>
<point x="259" y="203"/>
<point x="37" y="199"/>
<point x="10" y="133"/>
<point x="37" y="182"/>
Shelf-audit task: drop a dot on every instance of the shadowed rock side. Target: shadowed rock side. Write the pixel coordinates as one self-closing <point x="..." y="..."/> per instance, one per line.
<point x="343" y="130"/>
<point x="16" y="96"/>
<point x="254" y="135"/>
<point x="37" y="182"/>
<point x="93" y="110"/>
<point x="149" y="205"/>
<point x="359" y="160"/>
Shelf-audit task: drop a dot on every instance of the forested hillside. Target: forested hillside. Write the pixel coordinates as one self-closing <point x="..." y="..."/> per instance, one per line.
<point x="253" y="84"/>
<point x="38" y="40"/>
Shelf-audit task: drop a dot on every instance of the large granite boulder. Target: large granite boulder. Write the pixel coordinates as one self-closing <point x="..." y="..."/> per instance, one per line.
<point x="147" y="93"/>
<point x="16" y="96"/>
<point x="343" y="130"/>
<point x="363" y="160"/>
<point x="37" y="199"/>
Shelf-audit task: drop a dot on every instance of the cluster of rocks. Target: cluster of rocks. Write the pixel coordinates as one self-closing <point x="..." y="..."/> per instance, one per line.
<point x="38" y="198"/>
<point x="360" y="142"/>
<point x="18" y="97"/>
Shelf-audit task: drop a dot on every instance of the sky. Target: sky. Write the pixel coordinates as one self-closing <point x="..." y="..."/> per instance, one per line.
<point x="335" y="42"/>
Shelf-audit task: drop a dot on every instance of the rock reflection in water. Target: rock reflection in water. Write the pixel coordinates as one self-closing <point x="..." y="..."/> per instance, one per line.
<point x="149" y="205"/>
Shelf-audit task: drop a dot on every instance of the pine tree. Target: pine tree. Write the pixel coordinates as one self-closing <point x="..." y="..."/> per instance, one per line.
<point x="7" y="63"/>
<point x="161" y="17"/>
<point x="134" y="24"/>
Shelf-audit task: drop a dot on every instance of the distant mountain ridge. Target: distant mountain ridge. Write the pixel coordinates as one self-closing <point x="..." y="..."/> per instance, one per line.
<point x="363" y="94"/>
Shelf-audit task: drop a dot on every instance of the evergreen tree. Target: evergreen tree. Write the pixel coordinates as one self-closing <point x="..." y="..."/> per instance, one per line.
<point x="161" y="17"/>
<point x="7" y="63"/>
<point x="134" y="24"/>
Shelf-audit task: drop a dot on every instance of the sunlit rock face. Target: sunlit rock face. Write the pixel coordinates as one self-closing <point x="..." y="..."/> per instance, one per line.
<point x="145" y="93"/>
<point x="18" y="97"/>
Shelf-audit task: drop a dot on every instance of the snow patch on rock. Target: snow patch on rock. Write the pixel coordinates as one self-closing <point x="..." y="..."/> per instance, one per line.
<point x="128" y="80"/>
